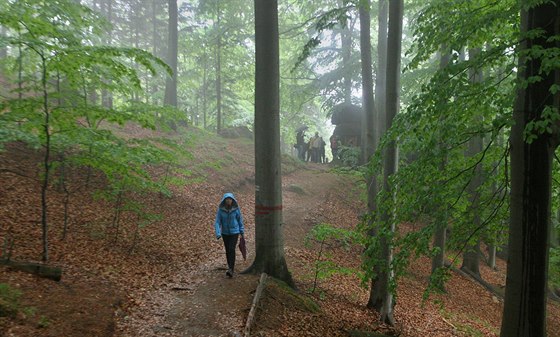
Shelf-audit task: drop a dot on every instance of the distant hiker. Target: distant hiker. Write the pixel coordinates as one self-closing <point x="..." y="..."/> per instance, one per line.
<point x="228" y="226"/>
<point x="322" y="156"/>
<point x="300" y="144"/>
<point x="335" y="145"/>
<point x="315" y="144"/>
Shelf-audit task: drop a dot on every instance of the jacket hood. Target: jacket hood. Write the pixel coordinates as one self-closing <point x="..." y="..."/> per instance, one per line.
<point x="229" y="195"/>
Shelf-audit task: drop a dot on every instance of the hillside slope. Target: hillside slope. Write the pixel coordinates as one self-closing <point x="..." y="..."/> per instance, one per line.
<point x="166" y="278"/>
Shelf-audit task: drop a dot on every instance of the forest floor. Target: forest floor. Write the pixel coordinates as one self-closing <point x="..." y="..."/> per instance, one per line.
<point x="169" y="280"/>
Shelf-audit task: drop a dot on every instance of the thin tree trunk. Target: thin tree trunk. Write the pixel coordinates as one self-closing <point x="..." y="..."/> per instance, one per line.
<point x="20" y="73"/>
<point x="492" y="256"/>
<point x="346" y="41"/>
<point x="390" y="160"/>
<point x="171" y="81"/>
<point x="154" y="88"/>
<point x="269" y="240"/>
<point x="471" y="256"/>
<point x="368" y="128"/>
<point x="376" y="294"/>
<point x="440" y="218"/>
<point x="3" y="50"/>
<point x="204" y="90"/>
<point x="46" y="161"/>
<point x="66" y="195"/>
<point x="381" y="76"/>
<point x="219" y="73"/>
<point x="531" y="178"/>
<point x="106" y="95"/>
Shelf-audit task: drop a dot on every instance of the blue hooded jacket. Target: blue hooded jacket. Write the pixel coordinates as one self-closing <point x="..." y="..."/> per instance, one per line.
<point x="228" y="221"/>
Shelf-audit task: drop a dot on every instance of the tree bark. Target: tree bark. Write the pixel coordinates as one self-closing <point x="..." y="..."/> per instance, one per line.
<point x="269" y="240"/>
<point x="531" y="171"/>
<point x="46" y="160"/>
<point x="171" y="81"/>
<point x="106" y="95"/>
<point x="3" y="50"/>
<point x="381" y="76"/>
<point x="440" y="218"/>
<point x="376" y="293"/>
<point x="41" y="270"/>
<point x="204" y="90"/>
<point x="471" y="255"/>
<point x="390" y="160"/>
<point x="368" y="128"/>
<point x="254" y="306"/>
<point x="154" y="87"/>
<point x="346" y="41"/>
<point x="218" y="72"/>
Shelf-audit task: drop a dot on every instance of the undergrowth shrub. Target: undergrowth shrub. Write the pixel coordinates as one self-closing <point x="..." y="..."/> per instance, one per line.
<point x="554" y="265"/>
<point x="330" y="239"/>
<point x="9" y="301"/>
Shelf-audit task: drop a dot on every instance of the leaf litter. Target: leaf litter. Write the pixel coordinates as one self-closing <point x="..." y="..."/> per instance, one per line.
<point x="171" y="282"/>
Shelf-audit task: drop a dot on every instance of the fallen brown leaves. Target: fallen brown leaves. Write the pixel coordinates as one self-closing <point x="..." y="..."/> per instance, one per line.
<point x="114" y="285"/>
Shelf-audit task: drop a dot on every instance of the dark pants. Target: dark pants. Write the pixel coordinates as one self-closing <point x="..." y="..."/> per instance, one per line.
<point x="230" y="242"/>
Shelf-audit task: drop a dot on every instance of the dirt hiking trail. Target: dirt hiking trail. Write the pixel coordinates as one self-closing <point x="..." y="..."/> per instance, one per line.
<point x="207" y="302"/>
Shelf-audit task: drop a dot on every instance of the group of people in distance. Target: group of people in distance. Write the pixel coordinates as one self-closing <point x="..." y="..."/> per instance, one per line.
<point x="311" y="150"/>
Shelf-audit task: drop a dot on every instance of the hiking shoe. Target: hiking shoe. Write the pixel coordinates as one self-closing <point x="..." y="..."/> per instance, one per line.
<point x="229" y="273"/>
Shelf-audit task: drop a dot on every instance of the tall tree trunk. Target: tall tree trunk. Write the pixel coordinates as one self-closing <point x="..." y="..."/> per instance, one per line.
<point x="440" y="218"/>
<point x="20" y="72"/>
<point x="531" y="172"/>
<point x="390" y="161"/>
<point x="46" y="160"/>
<point x="471" y="255"/>
<point x="381" y="76"/>
<point x="204" y="90"/>
<point x="368" y="128"/>
<point x="106" y="96"/>
<point x="3" y="50"/>
<point x="369" y="136"/>
<point x="171" y="81"/>
<point x="219" y="72"/>
<point x="346" y="41"/>
<point x="376" y="294"/>
<point x="154" y="88"/>
<point x="269" y="238"/>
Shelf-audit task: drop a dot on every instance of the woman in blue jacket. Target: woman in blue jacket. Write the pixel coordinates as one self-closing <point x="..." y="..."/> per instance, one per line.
<point x="228" y="226"/>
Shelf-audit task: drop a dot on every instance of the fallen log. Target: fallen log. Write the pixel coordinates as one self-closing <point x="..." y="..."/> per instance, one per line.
<point x="39" y="269"/>
<point x="253" y="311"/>
<point x="465" y="273"/>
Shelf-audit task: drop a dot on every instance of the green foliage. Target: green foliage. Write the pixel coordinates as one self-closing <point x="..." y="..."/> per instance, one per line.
<point x="470" y="96"/>
<point x="9" y="301"/>
<point x="281" y="289"/>
<point x="457" y="320"/>
<point x="329" y="236"/>
<point x="57" y="66"/>
<point x="324" y="232"/>
<point x="546" y="125"/>
<point x="43" y="322"/>
<point x="349" y="156"/>
<point x="554" y="270"/>
<point x="437" y="282"/>
<point x="328" y="20"/>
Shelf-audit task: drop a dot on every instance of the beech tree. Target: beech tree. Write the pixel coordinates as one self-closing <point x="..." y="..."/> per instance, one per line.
<point x="392" y="102"/>
<point x="51" y="41"/>
<point x="471" y="254"/>
<point x="370" y="137"/>
<point x="269" y="242"/>
<point x="171" y="82"/>
<point x="534" y="137"/>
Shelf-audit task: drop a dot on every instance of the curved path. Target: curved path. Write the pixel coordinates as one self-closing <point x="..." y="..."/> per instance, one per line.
<point x="210" y="304"/>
